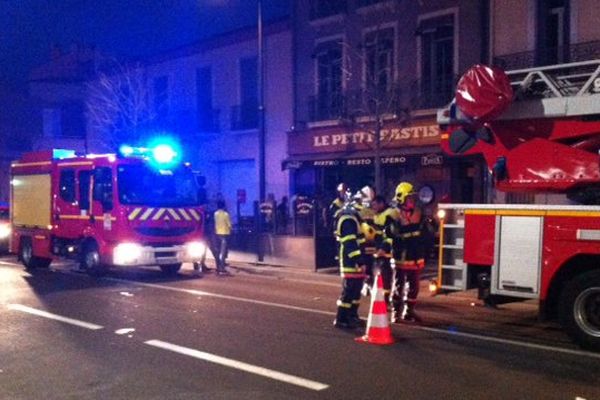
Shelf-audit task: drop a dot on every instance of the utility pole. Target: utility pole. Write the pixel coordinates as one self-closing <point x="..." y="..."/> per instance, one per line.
<point x="261" y="129"/>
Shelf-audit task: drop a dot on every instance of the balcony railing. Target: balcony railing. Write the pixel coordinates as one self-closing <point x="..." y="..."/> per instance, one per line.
<point x="548" y="56"/>
<point x="244" y="116"/>
<point x="350" y="104"/>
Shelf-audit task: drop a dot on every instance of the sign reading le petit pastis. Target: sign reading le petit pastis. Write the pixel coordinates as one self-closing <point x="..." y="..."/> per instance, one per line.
<point x="325" y="141"/>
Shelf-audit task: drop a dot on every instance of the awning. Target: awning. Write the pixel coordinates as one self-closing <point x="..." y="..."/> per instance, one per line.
<point x="430" y="155"/>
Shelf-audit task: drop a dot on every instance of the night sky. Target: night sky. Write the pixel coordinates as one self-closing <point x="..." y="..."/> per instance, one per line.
<point x="130" y="28"/>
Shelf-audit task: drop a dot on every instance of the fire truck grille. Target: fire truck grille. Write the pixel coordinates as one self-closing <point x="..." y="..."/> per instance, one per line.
<point x="164" y="232"/>
<point x="165" y="254"/>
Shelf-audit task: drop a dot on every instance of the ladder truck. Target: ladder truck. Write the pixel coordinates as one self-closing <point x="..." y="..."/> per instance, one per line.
<point x="538" y="131"/>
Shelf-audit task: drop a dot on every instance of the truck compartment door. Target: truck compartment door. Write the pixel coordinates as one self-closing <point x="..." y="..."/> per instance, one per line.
<point x="518" y="256"/>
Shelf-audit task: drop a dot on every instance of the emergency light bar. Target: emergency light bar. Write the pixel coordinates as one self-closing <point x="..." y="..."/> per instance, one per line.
<point x="161" y="154"/>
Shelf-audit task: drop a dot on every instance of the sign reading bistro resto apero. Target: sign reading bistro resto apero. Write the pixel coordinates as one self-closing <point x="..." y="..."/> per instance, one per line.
<point x="334" y="140"/>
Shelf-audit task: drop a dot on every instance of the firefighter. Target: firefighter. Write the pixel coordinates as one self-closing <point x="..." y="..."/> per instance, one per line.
<point x="408" y="252"/>
<point x="385" y="216"/>
<point x="351" y="262"/>
<point x="337" y="204"/>
<point x="363" y="200"/>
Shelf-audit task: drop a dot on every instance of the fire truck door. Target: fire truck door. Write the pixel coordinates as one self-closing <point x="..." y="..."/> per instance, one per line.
<point x="102" y="198"/>
<point x="518" y="256"/>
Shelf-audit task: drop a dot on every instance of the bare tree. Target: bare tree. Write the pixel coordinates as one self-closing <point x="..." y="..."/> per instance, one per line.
<point x="118" y="105"/>
<point x="377" y="104"/>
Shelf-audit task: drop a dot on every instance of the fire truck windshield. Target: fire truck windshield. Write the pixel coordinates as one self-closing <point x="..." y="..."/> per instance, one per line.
<point x="139" y="184"/>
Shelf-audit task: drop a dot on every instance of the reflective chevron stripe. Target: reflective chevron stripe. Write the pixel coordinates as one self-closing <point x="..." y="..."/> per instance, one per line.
<point x="173" y="214"/>
<point x="146" y="214"/>
<point x="158" y="214"/>
<point x="134" y="214"/>
<point x="185" y="215"/>
<point x="195" y="214"/>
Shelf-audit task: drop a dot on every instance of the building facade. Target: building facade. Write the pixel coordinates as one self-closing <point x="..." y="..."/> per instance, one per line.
<point x="369" y="69"/>
<point x="206" y="96"/>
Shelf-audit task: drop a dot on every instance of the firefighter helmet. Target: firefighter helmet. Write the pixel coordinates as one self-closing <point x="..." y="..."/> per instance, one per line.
<point x="368" y="231"/>
<point x="365" y="196"/>
<point x="403" y="190"/>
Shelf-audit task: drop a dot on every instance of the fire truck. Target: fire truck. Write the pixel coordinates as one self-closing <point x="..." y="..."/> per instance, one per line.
<point x="538" y="131"/>
<point x="138" y="208"/>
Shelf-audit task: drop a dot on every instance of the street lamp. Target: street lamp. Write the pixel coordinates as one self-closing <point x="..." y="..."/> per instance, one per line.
<point x="261" y="107"/>
<point x="261" y="125"/>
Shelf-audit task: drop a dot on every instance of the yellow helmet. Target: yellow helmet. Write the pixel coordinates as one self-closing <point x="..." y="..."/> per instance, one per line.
<point x="403" y="190"/>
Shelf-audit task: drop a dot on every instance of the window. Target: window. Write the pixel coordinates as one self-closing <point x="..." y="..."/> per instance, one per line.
<point x="207" y="120"/>
<point x="379" y="60"/>
<point x="326" y="8"/>
<point x="437" y="61"/>
<point x="553" y="32"/>
<point x="329" y="99"/>
<point x="245" y="116"/>
<point x="67" y="185"/>
<point x="84" y="190"/>
<point x="102" y="183"/>
<point x="161" y="96"/>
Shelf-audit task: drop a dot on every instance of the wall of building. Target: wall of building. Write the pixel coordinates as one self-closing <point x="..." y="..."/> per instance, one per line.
<point x="229" y="158"/>
<point x="513" y="26"/>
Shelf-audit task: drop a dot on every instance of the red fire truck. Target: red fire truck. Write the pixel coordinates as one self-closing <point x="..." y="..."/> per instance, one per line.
<point x="105" y="210"/>
<point x="538" y="131"/>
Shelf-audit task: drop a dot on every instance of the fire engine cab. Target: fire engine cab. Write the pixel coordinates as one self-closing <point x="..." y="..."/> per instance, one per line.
<point x="538" y="131"/>
<point x="139" y="208"/>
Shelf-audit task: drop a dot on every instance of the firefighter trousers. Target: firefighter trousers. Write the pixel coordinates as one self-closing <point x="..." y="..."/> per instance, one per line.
<point x="349" y="299"/>
<point x="383" y="266"/>
<point x="402" y="298"/>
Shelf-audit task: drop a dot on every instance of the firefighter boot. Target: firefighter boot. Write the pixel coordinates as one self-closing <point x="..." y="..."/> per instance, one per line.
<point x="408" y="312"/>
<point x="396" y="312"/>
<point x="342" y="320"/>
<point x="354" y="318"/>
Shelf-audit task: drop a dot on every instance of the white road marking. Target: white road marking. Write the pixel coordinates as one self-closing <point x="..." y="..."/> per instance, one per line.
<point x="242" y="366"/>
<point x="220" y="296"/>
<point x="124" y="331"/>
<point x="56" y="317"/>
<point x="330" y="313"/>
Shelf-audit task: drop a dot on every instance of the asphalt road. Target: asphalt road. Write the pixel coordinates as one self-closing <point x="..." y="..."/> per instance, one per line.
<point x="263" y="334"/>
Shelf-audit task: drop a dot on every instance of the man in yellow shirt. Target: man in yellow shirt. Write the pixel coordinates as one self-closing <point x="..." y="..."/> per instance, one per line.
<point x="222" y="232"/>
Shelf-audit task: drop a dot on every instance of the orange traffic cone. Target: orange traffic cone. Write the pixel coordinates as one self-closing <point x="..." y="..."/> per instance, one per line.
<point x="378" y="324"/>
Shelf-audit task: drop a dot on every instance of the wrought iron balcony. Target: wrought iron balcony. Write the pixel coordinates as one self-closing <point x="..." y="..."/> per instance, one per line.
<point x="548" y="56"/>
<point x="244" y="116"/>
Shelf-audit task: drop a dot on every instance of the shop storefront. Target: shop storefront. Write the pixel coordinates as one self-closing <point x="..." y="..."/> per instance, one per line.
<point x="320" y="158"/>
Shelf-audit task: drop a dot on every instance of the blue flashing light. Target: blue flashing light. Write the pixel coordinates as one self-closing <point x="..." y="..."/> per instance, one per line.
<point x="61" y="154"/>
<point x="164" y="154"/>
<point x="126" y="150"/>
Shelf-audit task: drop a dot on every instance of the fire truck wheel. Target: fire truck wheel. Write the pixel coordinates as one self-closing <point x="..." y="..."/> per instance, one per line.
<point x="580" y="309"/>
<point x="90" y="260"/>
<point x="170" y="269"/>
<point x="28" y="259"/>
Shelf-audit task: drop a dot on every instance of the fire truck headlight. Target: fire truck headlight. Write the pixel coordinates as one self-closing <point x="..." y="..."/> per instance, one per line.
<point x="195" y="249"/>
<point x="5" y="231"/>
<point x="441" y="214"/>
<point x="126" y="253"/>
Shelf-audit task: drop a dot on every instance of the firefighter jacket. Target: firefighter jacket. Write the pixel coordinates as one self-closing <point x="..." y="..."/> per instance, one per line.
<point x="350" y="238"/>
<point x="406" y="233"/>
<point x="333" y="211"/>
<point x="382" y="222"/>
<point x="368" y="229"/>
